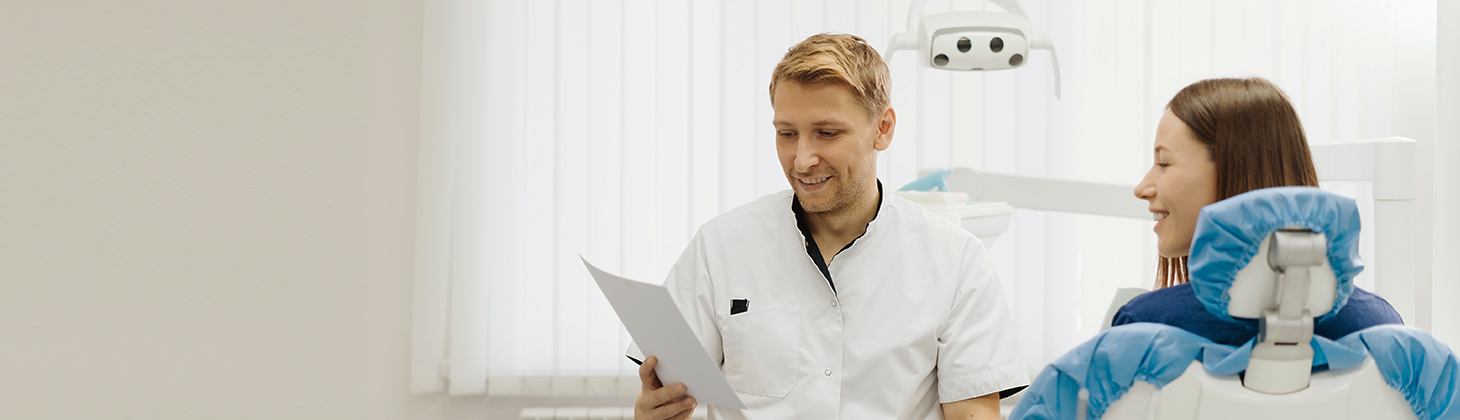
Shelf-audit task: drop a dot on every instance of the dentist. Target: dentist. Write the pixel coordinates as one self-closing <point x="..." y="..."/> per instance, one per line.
<point x="831" y="299"/>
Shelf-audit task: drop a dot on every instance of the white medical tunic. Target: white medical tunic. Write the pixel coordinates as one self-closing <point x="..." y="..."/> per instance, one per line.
<point x="916" y="318"/>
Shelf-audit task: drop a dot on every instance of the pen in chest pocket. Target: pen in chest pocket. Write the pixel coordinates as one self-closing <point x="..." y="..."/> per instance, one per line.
<point x="739" y="306"/>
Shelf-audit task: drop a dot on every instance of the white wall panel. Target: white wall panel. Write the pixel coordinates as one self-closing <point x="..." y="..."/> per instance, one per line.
<point x="640" y="157"/>
<point x="570" y="225"/>
<point x="1414" y="115"/>
<point x="1375" y="62"/>
<point x="605" y="170"/>
<point x="505" y="99"/>
<point x="1288" y="54"/>
<point x="506" y="114"/>
<point x="1315" y="98"/>
<point x="1447" y="174"/>
<point x="935" y="122"/>
<point x="536" y="306"/>
<point x="1258" y="36"/>
<point x="1228" y="25"/>
<point x="1000" y="121"/>
<point x="965" y="109"/>
<point x="672" y="158"/>
<point x="840" y="17"/>
<point x="1343" y="86"/>
<point x="741" y="94"/>
<point x="605" y="174"/>
<point x="808" y="17"/>
<point x="706" y="68"/>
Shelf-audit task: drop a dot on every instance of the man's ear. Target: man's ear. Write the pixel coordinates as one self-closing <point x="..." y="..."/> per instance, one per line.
<point x="886" y="124"/>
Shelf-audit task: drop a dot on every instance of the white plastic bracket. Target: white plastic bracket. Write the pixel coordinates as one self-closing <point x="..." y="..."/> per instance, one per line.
<point x="1282" y="358"/>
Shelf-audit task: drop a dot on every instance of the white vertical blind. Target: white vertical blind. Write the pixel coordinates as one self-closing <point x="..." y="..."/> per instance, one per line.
<point x="613" y="129"/>
<point x="1447" y="177"/>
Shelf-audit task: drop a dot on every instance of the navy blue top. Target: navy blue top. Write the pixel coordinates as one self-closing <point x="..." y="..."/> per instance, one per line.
<point x="814" y="251"/>
<point x="1177" y="306"/>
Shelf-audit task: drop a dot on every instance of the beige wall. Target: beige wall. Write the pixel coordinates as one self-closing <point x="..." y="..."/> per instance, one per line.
<point x="206" y="209"/>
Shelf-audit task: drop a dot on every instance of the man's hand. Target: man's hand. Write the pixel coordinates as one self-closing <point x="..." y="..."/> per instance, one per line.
<point x="659" y="402"/>
<point x="980" y="408"/>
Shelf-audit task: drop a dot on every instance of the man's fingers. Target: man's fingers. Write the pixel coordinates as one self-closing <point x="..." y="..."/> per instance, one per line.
<point x="657" y="401"/>
<point x="686" y="414"/>
<point x="674" y="409"/>
<point x="671" y="392"/>
<point x="665" y="395"/>
<point x="647" y="379"/>
<point x="660" y="403"/>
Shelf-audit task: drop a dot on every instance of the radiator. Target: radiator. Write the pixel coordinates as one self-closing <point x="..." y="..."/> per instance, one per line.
<point x="587" y="413"/>
<point x="627" y="413"/>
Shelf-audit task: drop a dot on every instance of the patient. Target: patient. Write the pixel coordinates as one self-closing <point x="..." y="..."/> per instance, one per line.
<point x="1219" y="138"/>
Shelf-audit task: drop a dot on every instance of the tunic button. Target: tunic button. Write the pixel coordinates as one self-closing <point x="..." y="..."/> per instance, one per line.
<point x="833" y="303"/>
<point x="828" y="372"/>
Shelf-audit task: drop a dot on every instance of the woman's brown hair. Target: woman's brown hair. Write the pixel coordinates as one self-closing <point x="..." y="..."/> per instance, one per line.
<point x="1252" y="134"/>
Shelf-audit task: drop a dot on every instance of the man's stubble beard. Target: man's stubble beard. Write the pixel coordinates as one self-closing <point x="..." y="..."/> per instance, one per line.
<point x="841" y="203"/>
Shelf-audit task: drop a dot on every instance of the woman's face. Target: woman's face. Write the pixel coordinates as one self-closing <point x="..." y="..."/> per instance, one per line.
<point x="1182" y="180"/>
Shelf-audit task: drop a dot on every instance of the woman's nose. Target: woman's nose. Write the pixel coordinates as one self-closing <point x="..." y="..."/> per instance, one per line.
<point x="1146" y="190"/>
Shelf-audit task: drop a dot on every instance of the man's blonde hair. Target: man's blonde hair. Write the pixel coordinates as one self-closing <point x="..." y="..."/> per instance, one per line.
<point x="838" y="59"/>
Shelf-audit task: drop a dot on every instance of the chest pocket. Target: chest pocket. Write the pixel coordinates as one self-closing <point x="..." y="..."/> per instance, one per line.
<point x="763" y="350"/>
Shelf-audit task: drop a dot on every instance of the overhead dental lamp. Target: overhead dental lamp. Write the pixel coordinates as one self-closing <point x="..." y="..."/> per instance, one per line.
<point x="973" y="40"/>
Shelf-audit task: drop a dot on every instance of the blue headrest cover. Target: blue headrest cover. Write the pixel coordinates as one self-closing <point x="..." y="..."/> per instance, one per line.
<point x="1229" y="232"/>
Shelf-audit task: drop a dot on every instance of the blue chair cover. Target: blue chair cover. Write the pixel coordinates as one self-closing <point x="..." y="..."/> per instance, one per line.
<point x="1229" y="233"/>
<point x="1410" y="360"/>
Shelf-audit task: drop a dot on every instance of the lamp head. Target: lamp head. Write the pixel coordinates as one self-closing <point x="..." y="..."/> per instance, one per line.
<point x="974" y="41"/>
<point x="968" y="41"/>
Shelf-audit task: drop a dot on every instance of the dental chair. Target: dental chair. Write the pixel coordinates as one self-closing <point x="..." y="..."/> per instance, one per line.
<point x="1283" y="258"/>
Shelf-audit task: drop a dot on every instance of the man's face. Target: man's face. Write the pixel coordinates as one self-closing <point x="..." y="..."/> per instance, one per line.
<point x="827" y="144"/>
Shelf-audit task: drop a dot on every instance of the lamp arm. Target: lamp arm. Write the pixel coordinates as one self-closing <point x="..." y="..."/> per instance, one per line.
<point x="1045" y="42"/>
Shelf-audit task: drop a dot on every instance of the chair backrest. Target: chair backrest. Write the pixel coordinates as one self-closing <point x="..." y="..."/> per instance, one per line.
<point x="1359" y="392"/>
<point x="1284" y="257"/>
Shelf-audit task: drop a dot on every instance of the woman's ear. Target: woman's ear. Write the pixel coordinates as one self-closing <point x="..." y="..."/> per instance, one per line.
<point x="886" y="124"/>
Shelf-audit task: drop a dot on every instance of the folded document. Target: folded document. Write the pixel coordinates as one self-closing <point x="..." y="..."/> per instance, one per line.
<point x="659" y="329"/>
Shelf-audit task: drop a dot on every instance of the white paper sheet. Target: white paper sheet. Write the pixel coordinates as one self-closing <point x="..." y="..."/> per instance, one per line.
<point x="660" y="330"/>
